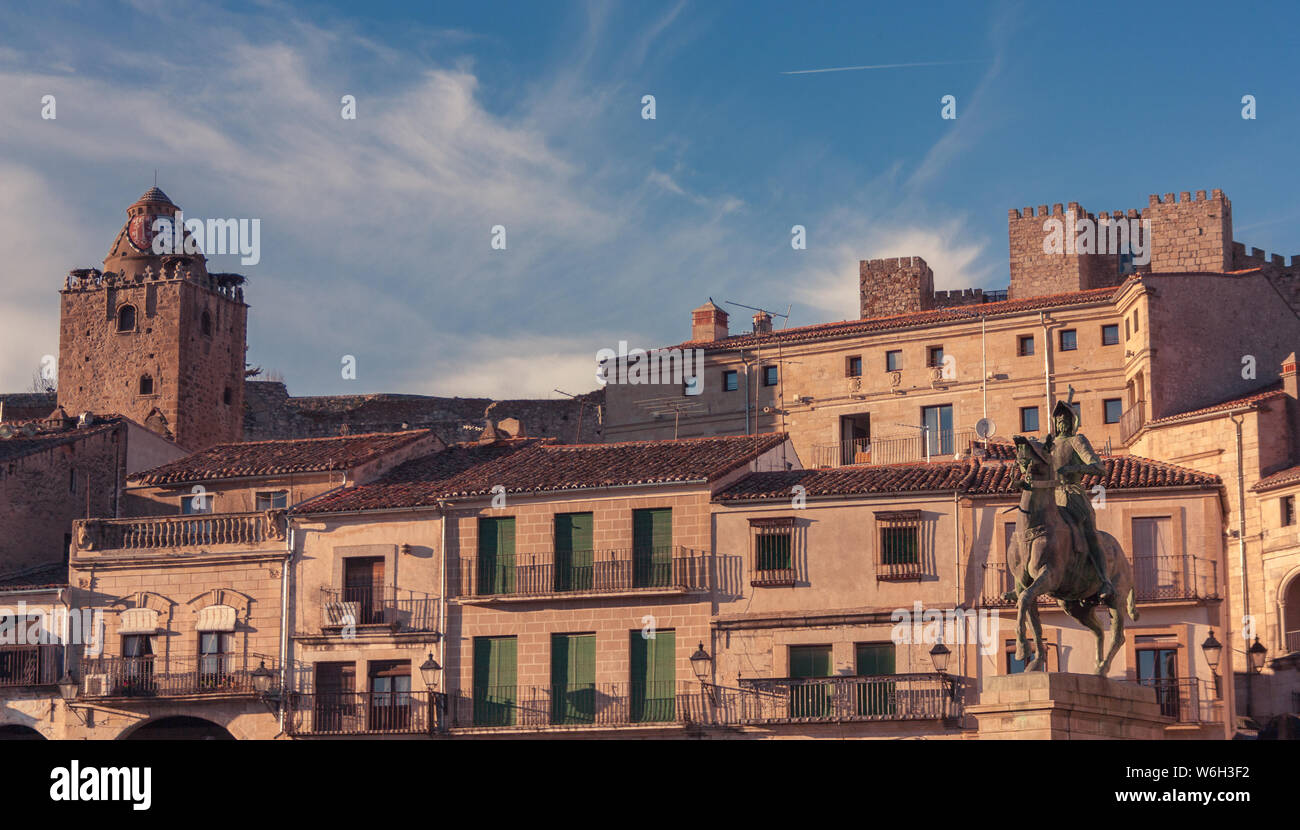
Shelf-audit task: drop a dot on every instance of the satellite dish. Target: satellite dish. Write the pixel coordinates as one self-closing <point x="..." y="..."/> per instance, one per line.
<point x="6" y="431"/>
<point x="984" y="428"/>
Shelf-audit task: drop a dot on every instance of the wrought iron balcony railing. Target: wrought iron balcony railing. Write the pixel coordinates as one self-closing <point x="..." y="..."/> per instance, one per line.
<point x="399" y="608"/>
<point x="1292" y="641"/>
<point x="1131" y="421"/>
<point x="664" y="569"/>
<point x="200" y="530"/>
<point x="576" y="705"/>
<point x="1155" y="578"/>
<point x="361" y="713"/>
<point x="34" y="665"/>
<point x="159" y="676"/>
<point x="896" y="449"/>
<point x="1187" y="700"/>
<point x="891" y="697"/>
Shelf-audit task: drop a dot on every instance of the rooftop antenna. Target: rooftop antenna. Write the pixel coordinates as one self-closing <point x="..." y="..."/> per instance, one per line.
<point x="754" y="308"/>
<point x="582" y="405"/>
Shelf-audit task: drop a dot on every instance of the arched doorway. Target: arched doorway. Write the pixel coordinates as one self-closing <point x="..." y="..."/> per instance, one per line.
<point x="18" y="732"/>
<point x="1291" y="616"/>
<point x="179" y="728"/>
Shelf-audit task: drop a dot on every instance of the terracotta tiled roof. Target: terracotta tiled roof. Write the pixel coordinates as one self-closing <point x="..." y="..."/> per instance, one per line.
<point x="971" y="477"/>
<point x="45" y="576"/>
<point x="853" y="328"/>
<point x="537" y="467"/>
<point x="265" y="458"/>
<point x="420" y="482"/>
<point x="1281" y="478"/>
<point x="1273" y="390"/>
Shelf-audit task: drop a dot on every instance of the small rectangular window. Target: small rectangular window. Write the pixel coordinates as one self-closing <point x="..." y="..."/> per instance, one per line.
<point x="893" y="360"/>
<point x="853" y="367"/>
<point x="195" y="504"/>
<point x="1135" y="321"/>
<point x="898" y="538"/>
<point x="1288" y="511"/>
<point x="1029" y="419"/>
<point x="769" y="376"/>
<point x="773" y="552"/>
<point x="730" y="380"/>
<point x="934" y="357"/>
<point x="1110" y="335"/>
<point x="1069" y="340"/>
<point x="1025" y="345"/>
<point x="273" y="500"/>
<point x="1113" y="408"/>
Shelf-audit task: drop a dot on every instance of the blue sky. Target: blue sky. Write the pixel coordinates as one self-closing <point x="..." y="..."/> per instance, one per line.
<point x="375" y="232"/>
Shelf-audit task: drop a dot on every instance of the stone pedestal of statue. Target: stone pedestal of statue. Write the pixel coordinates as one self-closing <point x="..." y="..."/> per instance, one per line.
<point x="1063" y="706"/>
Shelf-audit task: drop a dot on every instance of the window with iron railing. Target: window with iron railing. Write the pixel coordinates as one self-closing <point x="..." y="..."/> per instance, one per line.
<point x="773" y="545"/>
<point x="898" y="535"/>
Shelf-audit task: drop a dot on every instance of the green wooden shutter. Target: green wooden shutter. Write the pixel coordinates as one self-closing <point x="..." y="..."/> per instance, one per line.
<point x="653" y="693"/>
<point x="495" y="661"/>
<point x="573" y="678"/>
<point x="876" y="697"/>
<point x="652" y="547"/>
<point x="810" y="700"/>
<point x="496" y="555"/>
<point x="573" y="551"/>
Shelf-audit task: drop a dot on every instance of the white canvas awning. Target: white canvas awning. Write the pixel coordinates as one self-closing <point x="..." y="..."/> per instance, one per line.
<point x="216" y="618"/>
<point x="139" y="621"/>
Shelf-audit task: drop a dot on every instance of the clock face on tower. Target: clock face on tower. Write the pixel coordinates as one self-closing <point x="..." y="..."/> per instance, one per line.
<point x="140" y="232"/>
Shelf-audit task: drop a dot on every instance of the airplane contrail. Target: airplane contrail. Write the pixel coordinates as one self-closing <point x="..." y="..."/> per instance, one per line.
<point x="876" y="66"/>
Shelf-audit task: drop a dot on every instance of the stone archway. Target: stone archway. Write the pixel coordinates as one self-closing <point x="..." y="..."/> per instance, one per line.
<point x="18" y="732"/>
<point x="178" y="728"/>
<point x="1291" y="615"/>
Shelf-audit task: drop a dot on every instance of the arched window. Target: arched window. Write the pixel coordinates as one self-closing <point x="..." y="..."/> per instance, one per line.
<point x="205" y="324"/>
<point x="126" y="318"/>
<point x="146" y="385"/>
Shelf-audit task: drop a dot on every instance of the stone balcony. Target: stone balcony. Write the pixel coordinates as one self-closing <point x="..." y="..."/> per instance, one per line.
<point x="146" y="534"/>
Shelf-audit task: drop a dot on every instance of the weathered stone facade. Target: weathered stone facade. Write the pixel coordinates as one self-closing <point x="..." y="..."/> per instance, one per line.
<point x="895" y="286"/>
<point x="155" y="338"/>
<point x="271" y="413"/>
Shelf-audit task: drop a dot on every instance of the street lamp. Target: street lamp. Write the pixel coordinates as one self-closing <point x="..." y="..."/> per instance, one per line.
<point x="1256" y="654"/>
<point x="262" y="677"/>
<point x="939" y="657"/>
<point x="429" y="671"/>
<point x="700" y="662"/>
<point x="68" y="687"/>
<point x="1212" y="649"/>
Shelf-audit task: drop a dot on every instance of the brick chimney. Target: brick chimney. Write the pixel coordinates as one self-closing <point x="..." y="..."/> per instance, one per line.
<point x="708" y="323"/>
<point x="762" y="322"/>
<point x="1291" y="385"/>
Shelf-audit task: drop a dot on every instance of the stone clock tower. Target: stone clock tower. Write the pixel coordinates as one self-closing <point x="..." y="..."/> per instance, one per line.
<point x="155" y="337"/>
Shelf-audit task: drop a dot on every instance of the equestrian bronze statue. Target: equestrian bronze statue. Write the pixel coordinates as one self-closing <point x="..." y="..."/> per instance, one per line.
<point x="1057" y="551"/>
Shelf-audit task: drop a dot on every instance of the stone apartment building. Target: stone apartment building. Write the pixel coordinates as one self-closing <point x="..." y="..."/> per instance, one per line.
<point x="1163" y="356"/>
<point x="812" y="645"/>
<point x="191" y="585"/>
<point x="579" y="580"/>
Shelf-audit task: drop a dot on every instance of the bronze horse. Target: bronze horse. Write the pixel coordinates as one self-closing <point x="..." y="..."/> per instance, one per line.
<point x="1048" y="557"/>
